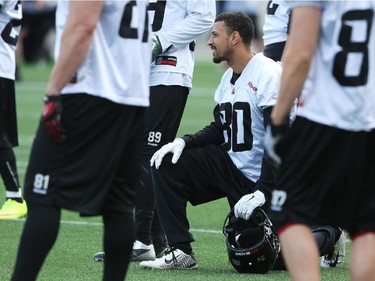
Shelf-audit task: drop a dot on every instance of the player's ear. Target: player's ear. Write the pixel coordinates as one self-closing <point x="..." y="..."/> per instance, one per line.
<point x="235" y="37"/>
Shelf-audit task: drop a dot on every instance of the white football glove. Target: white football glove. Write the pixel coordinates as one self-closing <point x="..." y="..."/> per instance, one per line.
<point x="176" y="147"/>
<point x="246" y="205"/>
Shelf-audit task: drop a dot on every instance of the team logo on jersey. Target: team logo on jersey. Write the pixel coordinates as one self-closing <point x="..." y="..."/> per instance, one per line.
<point x="252" y="86"/>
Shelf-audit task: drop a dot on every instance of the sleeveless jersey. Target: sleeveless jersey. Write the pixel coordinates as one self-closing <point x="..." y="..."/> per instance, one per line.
<point x="276" y="22"/>
<point x="178" y="23"/>
<point x="117" y="64"/>
<point x="241" y="111"/>
<point x="340" y="88"/>
<point x="10" y="25"/>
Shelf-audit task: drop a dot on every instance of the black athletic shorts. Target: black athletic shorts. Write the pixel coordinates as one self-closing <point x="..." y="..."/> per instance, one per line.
<point x="327" y="177"/>
<point x="274" y="51"/>
<point x="163" y="117"/>
<point x="8" y="116"/>
<point x="97" y="167"/>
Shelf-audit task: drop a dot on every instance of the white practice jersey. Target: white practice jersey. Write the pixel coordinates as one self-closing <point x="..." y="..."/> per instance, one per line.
<point x="340" y="87"/>
<point x="10" y="25"/>
<point x="178" y="23"/>
<point x="117" y="64"/>
<point x="276" y="22"/>
<point x="241" y="111"/>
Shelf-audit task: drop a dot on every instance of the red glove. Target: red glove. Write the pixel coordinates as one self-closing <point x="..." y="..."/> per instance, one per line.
<point x="52" y="118"/>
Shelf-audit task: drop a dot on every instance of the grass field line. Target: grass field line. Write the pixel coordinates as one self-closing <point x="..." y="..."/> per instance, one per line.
<point x="68" y="222"/>
<point x="95" y="224"/>
<point x="86" y="223"/>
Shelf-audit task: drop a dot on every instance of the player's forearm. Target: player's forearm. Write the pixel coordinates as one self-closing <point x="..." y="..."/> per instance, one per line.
<point x="210" y="134"/>
<point x="188" y="30"/>
<point x="291" y="85"/>
<point x="75" y="43"/>
<point x="297" y="58"/>
<point x="200" y="19"/>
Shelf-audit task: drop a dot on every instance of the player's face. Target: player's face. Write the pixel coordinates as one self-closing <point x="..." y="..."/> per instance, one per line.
<point x="219" y="42"/>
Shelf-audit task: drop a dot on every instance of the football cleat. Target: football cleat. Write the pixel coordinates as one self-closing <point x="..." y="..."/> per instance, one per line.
<point x="140" y="252"/>
<point x="336" y="256"/>
<point x="99" y="257"/>
<point x="174" y="259"/>
<point x="13" y="209"/>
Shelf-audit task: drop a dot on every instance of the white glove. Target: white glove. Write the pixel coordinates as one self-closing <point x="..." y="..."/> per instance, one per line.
<point x="176" y="147"/>
<point x="246" y="205"/>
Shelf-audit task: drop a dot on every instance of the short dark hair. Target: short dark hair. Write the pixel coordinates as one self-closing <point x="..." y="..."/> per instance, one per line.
<point x="240" y="22"/>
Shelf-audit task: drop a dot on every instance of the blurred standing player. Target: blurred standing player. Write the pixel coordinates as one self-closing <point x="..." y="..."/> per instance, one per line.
<point x="331" y="240"/>
<point x="330" y="153"/>
<point x="94" y="109"/>
<point x="276" y="28"/>
<point x="175" y="24"/>
<point x="10" y="24"/>
<point x="38" y="23"/>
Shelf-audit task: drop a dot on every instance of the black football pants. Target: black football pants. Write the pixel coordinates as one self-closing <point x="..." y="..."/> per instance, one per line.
<point x="201" y="175"/>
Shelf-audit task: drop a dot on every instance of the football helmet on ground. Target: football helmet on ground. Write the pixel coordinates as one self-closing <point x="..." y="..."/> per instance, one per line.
<point x="252" y="244"/>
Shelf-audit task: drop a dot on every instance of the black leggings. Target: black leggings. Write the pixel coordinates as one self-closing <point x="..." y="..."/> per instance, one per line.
<point x="40" y="233"/>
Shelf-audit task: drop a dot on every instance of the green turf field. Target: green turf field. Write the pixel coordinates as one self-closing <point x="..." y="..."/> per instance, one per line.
<point x="71" y="258"/>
